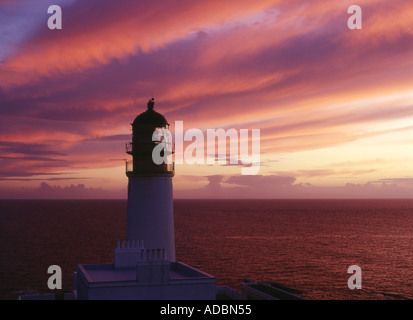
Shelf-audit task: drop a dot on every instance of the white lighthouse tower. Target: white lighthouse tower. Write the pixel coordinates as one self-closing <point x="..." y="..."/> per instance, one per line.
<point x="150" y="215"/>
<point x="144" y="266"/>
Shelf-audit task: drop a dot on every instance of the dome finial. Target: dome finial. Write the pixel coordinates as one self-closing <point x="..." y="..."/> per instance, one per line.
<point x="151" y="104"/>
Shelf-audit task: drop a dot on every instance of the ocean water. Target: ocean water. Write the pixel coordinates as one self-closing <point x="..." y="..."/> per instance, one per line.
<point x="305" y="244"/>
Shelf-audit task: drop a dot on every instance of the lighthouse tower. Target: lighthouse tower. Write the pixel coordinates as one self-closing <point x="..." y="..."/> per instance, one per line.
<point x="150" y="197"/>
<point x="144" y="265"/>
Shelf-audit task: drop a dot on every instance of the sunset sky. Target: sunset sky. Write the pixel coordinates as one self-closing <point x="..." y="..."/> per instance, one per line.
<point x="334" y="105"/>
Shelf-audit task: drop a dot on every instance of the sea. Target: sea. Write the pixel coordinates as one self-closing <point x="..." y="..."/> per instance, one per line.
<point x="307" y="245"/>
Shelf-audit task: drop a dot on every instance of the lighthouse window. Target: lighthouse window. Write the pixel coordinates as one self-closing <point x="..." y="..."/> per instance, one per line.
<point x="159" y="134"/>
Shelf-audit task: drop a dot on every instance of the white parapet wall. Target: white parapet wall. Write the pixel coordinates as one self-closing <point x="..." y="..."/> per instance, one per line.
<point x="129" y="253"/>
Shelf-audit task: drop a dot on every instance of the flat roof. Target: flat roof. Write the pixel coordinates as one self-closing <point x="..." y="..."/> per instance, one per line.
<point x="106" y="272"/>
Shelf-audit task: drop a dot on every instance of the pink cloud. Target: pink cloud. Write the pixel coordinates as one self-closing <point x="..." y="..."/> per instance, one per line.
<point x="132" y="26"/>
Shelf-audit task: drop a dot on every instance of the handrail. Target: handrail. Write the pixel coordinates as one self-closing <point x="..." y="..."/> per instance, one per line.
<point x="169" y="146"/>
<point x="149" y="168"/>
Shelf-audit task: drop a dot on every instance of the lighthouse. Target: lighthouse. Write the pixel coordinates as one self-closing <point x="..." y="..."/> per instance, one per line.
<point x="144" y="265"/>
<point x="150" y="215"/>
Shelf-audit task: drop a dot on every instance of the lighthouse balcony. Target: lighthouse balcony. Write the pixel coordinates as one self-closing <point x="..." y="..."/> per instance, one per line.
<point x="144" y="146"/>
<point x="145" y="168"/>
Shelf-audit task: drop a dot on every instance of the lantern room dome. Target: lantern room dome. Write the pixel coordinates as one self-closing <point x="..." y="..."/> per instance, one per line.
<point x="150" y="117"/>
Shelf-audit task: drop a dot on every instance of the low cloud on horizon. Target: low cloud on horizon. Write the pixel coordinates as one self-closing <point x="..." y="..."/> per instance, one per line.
<point x="230" y="187"/>
<point x="284" y="187"/>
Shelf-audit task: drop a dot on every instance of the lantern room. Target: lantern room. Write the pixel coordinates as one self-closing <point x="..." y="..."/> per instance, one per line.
<point x="148" y="130"/>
